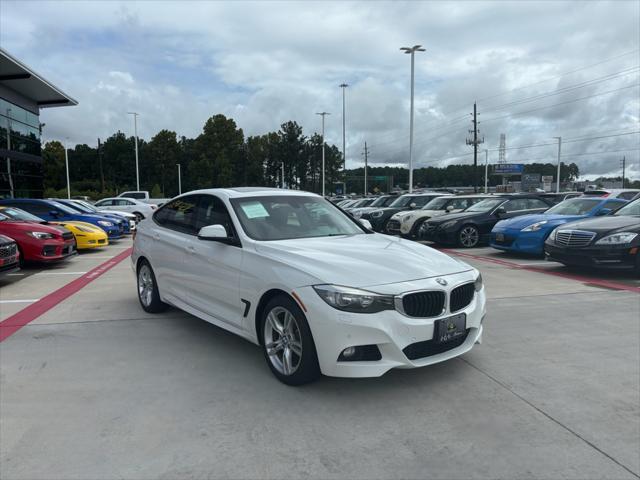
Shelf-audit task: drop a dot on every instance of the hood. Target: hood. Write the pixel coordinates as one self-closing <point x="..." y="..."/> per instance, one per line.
<point x="526" y="220"/>
<point x="361" y="260"/>
<point x="8" y="226"/>
<point x="606" y="223"/>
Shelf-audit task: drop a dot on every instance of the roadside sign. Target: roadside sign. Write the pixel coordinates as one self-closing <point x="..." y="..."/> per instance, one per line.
<point x="508" y="168"/>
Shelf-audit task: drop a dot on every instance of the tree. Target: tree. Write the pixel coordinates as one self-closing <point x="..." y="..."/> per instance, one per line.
<point x="161" y="155"/>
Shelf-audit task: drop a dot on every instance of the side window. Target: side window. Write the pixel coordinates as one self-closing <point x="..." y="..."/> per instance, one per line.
<point x="104" y="203"/>
<point x="421" y="201"/>
<point x="533" y="203"/>
<point x="212" y="211"/>
<point x="35" y="208"/>
<point x="627" y="195"/>
<point x="121" y="202"/>
<point x="611" y="205"/>
<point x="179" y="215"/>
<point x="458" y="203"/>
<point x="515" y="205"/>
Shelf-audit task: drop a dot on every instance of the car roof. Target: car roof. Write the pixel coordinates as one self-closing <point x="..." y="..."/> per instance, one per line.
<point x="240" y="192"/>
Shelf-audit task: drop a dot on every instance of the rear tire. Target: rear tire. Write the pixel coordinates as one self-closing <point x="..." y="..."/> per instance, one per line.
<point x="139" y="216"/>
<point x="469" y="236"/>
<point x="148" y="293"/>
<point x="287" y="342"/>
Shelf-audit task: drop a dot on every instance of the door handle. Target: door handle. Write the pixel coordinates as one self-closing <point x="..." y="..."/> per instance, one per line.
<point x="156" y="236"/>
<point x="190" y="249"/>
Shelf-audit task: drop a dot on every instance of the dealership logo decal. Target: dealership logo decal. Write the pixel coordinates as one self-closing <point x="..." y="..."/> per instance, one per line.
<point x="442" y="281"/>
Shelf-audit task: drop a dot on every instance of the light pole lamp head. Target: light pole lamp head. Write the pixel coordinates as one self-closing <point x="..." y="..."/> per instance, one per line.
<point x="415" y="48"/>
<point x="343" y="85"/>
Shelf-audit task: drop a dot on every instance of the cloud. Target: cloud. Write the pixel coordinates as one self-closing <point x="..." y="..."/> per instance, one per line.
<point x="263" y="63"/>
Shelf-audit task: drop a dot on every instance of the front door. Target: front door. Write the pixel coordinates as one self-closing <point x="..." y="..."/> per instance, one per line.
<point x="212" y="269"/>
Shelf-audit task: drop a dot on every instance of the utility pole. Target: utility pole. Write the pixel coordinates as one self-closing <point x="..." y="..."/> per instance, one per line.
<point x="411" y="51"/>
<point x="343" y="86"/>
<point x="179" y="180"/>
<point x="322" y="114"/>
<point x="624" y="164"/>
<point x="486" y="170"/>
<point x="365" y="152"/>
<point x="135" y="129"/>
<point x="475" y="142"/>
<point x="558" y="174"/>
<point x="66" y="162"/>
<point x="9" y="150"/>
<point x="100" y="154"/>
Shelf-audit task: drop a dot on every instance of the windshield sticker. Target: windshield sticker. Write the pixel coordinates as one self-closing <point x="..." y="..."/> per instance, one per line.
<point x="254" y="210"/>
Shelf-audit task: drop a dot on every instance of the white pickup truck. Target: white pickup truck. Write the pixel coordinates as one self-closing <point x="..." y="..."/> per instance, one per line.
<point x="143" y="196"/>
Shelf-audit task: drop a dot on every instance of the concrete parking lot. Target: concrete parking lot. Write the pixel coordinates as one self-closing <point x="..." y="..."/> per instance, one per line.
<point x="94" y="388"/>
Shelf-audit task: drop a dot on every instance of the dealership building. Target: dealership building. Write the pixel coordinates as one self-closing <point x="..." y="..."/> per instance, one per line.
<point x="22" y="94"/>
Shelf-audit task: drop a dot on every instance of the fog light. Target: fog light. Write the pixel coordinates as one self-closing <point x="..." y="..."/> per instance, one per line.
<point x="349" y="352"/>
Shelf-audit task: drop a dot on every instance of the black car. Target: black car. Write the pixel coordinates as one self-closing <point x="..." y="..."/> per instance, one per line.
<point x="612" y="241"/>
<point x="556" y="198"/>
<point x="473" y="226"/>
<point x="378" y="218"/>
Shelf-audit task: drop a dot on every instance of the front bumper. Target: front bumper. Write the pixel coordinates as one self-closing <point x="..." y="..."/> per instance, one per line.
<point x="53" y="251"/>
<point x="514" y="240"/>
<point x="622" y="257"/>
<point x="334" y="330"/>
<point x="87" y="242"/>
<point x="434" y="233"/>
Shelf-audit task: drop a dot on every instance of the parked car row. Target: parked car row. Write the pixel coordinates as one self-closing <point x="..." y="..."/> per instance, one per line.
<point x="600" y="229"/>
<point x="47" y="231"/>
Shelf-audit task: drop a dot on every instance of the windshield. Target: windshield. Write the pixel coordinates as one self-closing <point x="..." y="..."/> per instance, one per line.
<point x="437" y="203"/>
<point x="632" y="208"/>
<point x="64" y="208"/>
<point x="88" y="206"/>
<point x="12" y="213"/>
<point x="485" y="205"/>
<point x="283" y="217"/>
<point x="77" y="207"/>
<point x="402" y="201"/>
<point x="575" y="206"/>
<point x="382" y="201"/>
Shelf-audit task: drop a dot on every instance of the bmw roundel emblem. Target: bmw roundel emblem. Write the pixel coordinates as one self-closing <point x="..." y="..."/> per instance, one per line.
<point x="442" y="281"/>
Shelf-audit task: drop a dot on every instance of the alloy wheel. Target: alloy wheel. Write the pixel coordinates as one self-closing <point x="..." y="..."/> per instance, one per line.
<point x="469" y="236"/>
<point x="145" y="285"/>
<point x="283" y="340"/>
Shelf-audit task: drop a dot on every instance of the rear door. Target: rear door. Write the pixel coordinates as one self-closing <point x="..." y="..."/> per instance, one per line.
<point x="212" y="269"/>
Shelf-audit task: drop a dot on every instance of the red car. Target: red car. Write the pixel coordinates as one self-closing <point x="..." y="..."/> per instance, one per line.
<point x="36" y="242"/>
<point x="9" y="255"/>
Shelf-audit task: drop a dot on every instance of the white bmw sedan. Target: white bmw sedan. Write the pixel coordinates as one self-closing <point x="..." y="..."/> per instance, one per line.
<point x="318" y="291"/>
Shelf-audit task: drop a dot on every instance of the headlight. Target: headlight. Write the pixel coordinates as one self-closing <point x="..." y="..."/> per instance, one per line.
<point x="553" y="234"/>
<point x="104" y="223"/>
<point x="41" y="235"/>
<point x="534" y="227"/>
<point x="617" y="238"/>
<point x="354" y="300"/>
<point x="377" y="214"/>
<point x="406" y="218"/>
<point x="448" y="224"/>
<point x="478" y="283"/>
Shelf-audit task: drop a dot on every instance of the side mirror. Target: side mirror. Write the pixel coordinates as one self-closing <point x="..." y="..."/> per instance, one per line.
<point x="500" y="211"/>
<point x="604" y="211"/>
<point x="365" y="223"/>
<point x="450" y="208"/>
<point x="214" y="233"/>
<point x="412" y="205"/>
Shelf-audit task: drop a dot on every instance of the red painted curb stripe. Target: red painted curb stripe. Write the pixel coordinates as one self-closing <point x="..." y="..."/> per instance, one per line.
<point x="569" y="276"/>
<point x="15" y="322"/>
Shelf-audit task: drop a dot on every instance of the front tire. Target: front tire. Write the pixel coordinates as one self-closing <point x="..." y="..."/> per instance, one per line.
<point x="148" y="294"/>
<point x="468" y="236"/>
<point x="287" y="343"/>
<point x="415" y="230"/>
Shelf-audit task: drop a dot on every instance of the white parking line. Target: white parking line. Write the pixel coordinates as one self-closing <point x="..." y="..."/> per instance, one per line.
<point x="27" y="300"/>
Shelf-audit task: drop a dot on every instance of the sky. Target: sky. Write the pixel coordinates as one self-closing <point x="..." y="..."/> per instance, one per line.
<point x="537" y="70"/>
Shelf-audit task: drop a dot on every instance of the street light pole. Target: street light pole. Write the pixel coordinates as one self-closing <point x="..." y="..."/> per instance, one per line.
<point x="344" y="151"/>
<point x="135" y="130"/>
<point x="322" y="114"/>
<point x="179" y="180"/>
<point x="66" y="162"/>
<point x="411" y="51"/>
<point x="486" y="169"/>
<point x="558" y="175"/>
<point x="9" y="150"/>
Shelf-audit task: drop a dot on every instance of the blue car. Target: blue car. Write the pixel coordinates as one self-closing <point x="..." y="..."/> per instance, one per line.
<point x="53" y="211"/>
<point x="115" y="218"/>
<point x="527" y="233"/>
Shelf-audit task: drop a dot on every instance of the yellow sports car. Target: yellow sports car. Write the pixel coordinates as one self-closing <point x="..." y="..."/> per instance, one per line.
<point x="86" y="235"/>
